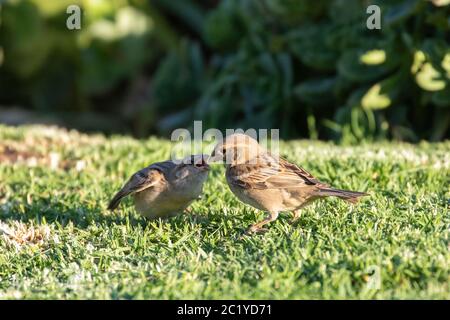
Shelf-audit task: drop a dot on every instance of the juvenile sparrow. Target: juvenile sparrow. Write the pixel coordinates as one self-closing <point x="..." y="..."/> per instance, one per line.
<point x="165" y="189"/>
<point x="270" y="183"/>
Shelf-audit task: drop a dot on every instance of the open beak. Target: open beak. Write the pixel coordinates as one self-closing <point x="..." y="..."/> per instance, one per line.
<point x="215" y="157"/>
<point x="203" y="163"/>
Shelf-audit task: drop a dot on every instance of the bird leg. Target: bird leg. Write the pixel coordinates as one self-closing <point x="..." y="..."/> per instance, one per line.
<point x="258" y="227"/>
<point x="297" y="214"/>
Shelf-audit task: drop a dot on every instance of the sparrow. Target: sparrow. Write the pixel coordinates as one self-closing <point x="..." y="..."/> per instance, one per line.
<point x="270" y="183"/>
<point x="165" y="189"/>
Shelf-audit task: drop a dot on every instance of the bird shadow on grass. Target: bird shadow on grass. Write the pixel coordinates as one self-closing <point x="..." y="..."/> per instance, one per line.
<point x="82" y="216"/>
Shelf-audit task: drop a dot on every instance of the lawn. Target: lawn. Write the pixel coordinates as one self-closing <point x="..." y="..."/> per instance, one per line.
<point x="57" y="240"/>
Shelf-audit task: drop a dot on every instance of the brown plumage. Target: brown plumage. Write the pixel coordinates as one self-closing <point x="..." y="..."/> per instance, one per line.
<point x="166" y="188"/>
<point x="268" y="183"/>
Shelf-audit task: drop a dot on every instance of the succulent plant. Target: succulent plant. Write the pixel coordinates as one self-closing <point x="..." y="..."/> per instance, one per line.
<point x="310" y="68"/>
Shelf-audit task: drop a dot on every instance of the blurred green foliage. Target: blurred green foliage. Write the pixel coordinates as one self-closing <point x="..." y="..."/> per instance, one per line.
<point x="310" y="68"/>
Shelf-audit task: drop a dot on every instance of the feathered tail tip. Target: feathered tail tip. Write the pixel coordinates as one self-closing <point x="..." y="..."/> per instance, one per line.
<point x="349" y="196"/>
<point x="114" y="203"/>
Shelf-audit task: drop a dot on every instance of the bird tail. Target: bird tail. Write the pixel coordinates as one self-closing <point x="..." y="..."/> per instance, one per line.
<point x="350" y="196"/>
<point x="114" y="203"/>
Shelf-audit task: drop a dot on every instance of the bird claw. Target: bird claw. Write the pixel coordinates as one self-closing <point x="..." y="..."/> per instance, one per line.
<point x="256" y="230"/>
<point x="250" y="232"/>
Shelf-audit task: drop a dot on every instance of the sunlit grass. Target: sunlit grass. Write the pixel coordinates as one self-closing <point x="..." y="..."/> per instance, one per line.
<point x="57" y="239"/>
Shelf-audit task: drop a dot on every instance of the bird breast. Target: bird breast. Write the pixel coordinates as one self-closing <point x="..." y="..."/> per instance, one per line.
<point x="153" y="203"/>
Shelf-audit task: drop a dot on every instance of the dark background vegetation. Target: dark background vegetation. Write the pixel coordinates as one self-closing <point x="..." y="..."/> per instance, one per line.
<point x="310" y="68"/>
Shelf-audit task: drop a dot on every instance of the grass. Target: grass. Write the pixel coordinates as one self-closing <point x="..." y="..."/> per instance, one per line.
<point x="57" y="239"/>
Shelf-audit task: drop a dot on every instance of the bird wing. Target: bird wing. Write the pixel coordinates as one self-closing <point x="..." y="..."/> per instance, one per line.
<point x="141" y="180"/>
<point x="268" y="173"/>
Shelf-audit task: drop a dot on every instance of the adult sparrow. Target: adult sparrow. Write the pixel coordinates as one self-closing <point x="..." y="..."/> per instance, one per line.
<point x="165" y="189"/>
<point x="270" y="183"/>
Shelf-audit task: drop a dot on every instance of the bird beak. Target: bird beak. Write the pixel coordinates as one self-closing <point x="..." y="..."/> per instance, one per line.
<point x="204" y="163"/>
<point x="215" y="157"/>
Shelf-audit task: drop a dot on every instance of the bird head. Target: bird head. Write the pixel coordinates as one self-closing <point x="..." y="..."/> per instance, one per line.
<point x="236" y="149"/>
<point x="192" y="167"/>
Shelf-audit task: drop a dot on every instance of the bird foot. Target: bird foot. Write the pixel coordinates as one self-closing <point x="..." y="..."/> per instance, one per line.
<point x="256" y="230"/>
